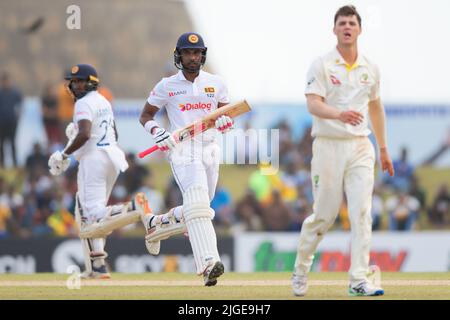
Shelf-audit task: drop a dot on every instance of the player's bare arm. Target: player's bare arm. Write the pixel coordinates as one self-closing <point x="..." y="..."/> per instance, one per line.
<point x="148" y="114"/>
<point x="317" y="106"/>
<point x="84" y="133"/>
<point x="377" y="119"/>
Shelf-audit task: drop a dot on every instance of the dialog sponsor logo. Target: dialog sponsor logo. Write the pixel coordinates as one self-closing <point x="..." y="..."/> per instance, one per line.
<point x="195" y="106"/>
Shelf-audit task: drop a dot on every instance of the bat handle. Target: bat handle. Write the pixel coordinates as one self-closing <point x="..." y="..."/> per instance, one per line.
<point x="148" y="151"/>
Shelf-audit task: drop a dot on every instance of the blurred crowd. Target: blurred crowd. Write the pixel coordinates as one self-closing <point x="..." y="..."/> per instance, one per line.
<point x="34" y="203"/>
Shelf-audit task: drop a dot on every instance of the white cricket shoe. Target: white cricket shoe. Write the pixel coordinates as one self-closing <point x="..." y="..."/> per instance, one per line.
<point x="365" y="288"/>
<point x="162" y="227"/>
<point x="213" y="272"/>
<point x="299" y="284"/>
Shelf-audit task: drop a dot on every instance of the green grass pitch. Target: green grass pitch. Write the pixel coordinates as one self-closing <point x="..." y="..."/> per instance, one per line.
<point x="231" y="286"/>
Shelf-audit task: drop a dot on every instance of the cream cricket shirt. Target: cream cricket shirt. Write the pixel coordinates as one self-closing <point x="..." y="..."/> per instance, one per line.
<point x="343" y="87"/>
<point x="187" y="101"/>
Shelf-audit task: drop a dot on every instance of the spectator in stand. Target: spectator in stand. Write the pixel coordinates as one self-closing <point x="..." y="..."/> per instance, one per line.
<point x="65" y="105"/>
<point x="36" y="160"/>
<point x="416" y="190"/>
<point x="439" y="213"/>
<point x="277" y="216"/>
<point x="403" y="172"/>
<point x="49" y="110"/>
<point x="15" y="202"/>
<point x="10" y="110"/>
<point x="222" y="205"/>
<point x="61" y="220"/>
<point x="134" y="177"/>
<point x="286" y="144"/>
<point x="5" y="212"/>
<point x="403" y="211"/>
<point x="5" y="216"/>
<point x="248" y="213"/>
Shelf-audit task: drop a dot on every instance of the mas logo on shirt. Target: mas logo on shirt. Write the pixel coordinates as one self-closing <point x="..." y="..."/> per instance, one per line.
<point x="194" y="106"/>
<point x="335" y="80"/>
<point x="176" y="93"/>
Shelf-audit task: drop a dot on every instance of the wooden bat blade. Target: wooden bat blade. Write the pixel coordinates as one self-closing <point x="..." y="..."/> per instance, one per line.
<point x="232" y="110"/>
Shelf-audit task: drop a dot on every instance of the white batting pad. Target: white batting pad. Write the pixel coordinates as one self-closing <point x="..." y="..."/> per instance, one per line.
<point x="118" y="216"/>
<point x="197" y="216"/>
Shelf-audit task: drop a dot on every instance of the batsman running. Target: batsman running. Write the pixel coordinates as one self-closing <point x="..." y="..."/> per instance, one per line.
<point x="188" y="96"/>
<point x="93" y="141"/>
<point x="342" y="93"/>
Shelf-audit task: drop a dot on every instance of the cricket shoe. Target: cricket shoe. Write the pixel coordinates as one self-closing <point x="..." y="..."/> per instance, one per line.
<point x="141" y="203"/>
<point x="299" y="284"/>
<point x="161" y="227"/>
<point x="213" y="272"/>
<point x="365" y="288"/>
<point x="96" y="273"/>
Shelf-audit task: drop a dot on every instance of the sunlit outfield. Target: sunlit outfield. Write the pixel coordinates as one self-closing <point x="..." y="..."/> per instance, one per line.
<point x="234" y="286"/>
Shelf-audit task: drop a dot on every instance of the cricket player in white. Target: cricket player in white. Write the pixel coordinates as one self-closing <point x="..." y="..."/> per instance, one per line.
<point x="93" y="142"/>
<point x="188" y="96"/>
<point x="342" y="91"/>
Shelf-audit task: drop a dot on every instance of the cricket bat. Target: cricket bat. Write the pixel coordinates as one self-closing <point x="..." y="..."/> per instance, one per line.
<point x="201" y="125"/>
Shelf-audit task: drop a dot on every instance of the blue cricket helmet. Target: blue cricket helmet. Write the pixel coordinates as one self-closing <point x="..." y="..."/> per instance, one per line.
<point x="189" y="40"/>
<point x="84" y="72"/>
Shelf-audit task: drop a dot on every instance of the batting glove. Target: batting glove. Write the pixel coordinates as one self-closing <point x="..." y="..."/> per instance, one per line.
<point x="224" y="123"/>
<point x="163" y="139"/>
<point x="58" y="163"/>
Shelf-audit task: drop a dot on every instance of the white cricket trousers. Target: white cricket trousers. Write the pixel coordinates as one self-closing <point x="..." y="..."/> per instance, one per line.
<point x="196" y="164"/>
<point x="338" y="166"/>
<point x="96" y="178"/>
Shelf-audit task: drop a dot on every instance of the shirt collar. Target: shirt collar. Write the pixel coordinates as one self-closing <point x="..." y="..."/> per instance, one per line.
<point x="338" y="60"/>
<point x="180" y="76"/>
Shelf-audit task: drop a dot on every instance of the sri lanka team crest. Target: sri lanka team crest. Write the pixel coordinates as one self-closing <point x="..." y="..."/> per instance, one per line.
<point x="194" y="106"/>
<point x="193" y="38"/>
<point x="210" y="90"/>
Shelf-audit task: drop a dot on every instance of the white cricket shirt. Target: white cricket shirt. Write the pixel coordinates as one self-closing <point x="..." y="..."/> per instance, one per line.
<point x="187" y="101"/>
<point x="343" y="87"/>
<point x="95" y="108"/>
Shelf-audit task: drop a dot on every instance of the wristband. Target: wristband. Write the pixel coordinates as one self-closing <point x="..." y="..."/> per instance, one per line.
<point x="149" y="125"/>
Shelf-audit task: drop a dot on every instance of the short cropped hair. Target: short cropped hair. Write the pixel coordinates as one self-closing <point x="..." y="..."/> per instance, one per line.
<point x="347" y="11"/>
